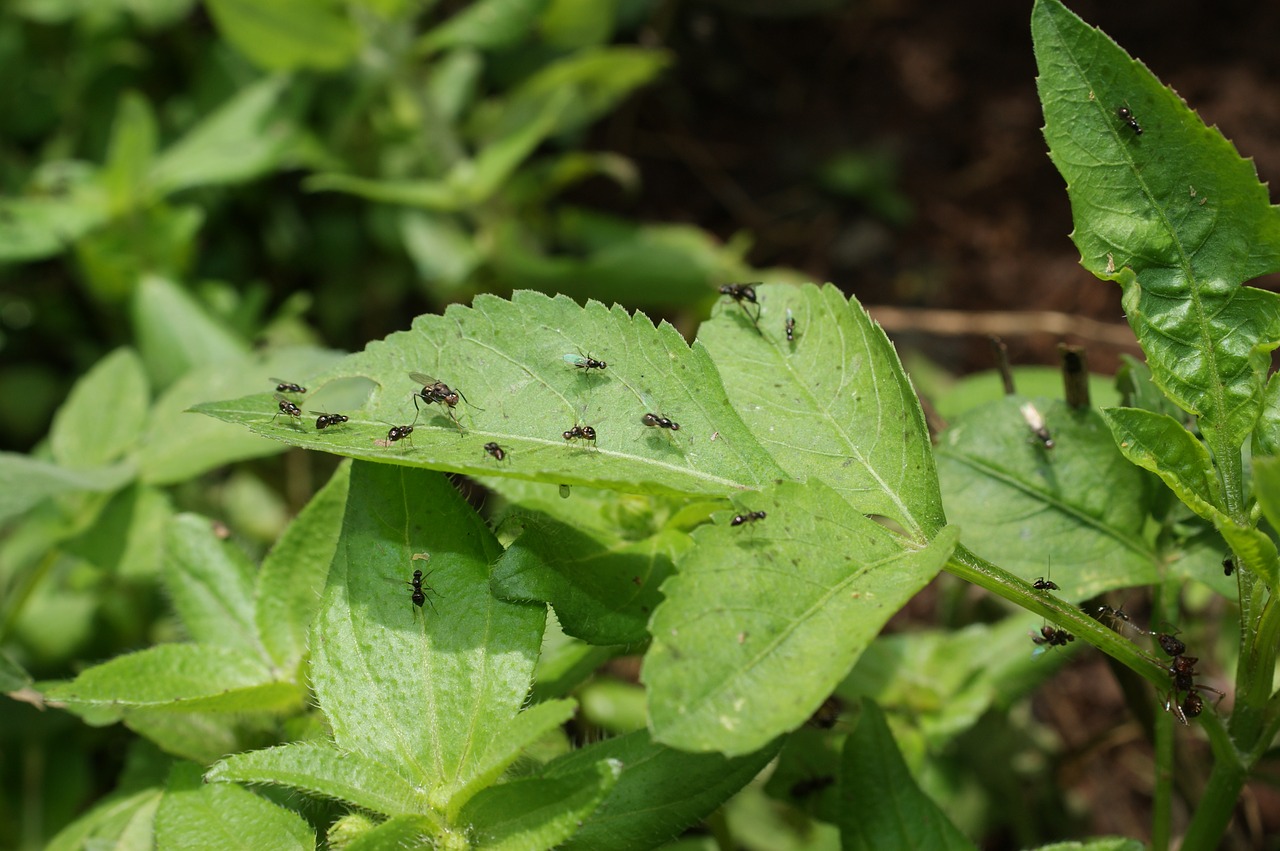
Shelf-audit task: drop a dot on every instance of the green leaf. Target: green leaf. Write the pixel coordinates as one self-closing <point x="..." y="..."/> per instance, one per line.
<point x="1174" y="215"/>
<point x="881" y="805"/>
<point x="157" y="240"/>
<point x="486" y="25"/>
<point x="979" y="388"/>
<point x="324" y="771"/>
<point x="207" y="736"/>
<point x="395" y="833"/>
<point x="179" y="446"/>
<point x="1266" y="487"/>
<point x="660" y="792"/>
<point x="293" y="574"/>
<point x="129" y="154"/>
<point x="281" y="35"/>
<point x="81" y="436"/>
<point x="215" y="816"/>
<point x="211" y="584"/>
<point x="507" y="357"/>
<point x="118" y="821"/>
<point x="1161" y="444"/>
<point x="127" y="537"/>
<point x="1266" y="433"/>
<point x="603" y="588"/>
<point x="815" y="581"/>
<point x="185" y="677"/>
<point x="835" y="406"/>
<point x="1078" y="510"/>
<point x="25" y="481"/>
<point x="537" y="813"/>
<point x="244" y="138"/>
<point x="421" y="691"/>
<point x="38" y="227"/>
<point x="176" y="334"/>
<point x="12" y="675"/>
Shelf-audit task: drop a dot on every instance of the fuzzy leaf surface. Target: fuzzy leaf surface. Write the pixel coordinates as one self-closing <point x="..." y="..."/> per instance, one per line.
<point x="215" y="816"/>
<point x="211" y="583"/>
<point x="1175" y="215"/>
<point x="834" y="405"/>
<point x="538" y="813"/>
<point x="1075" y="511"/>
<point x="420" y="691"/>
<point x="507" y="357"/>
<point x="763" y="620"/>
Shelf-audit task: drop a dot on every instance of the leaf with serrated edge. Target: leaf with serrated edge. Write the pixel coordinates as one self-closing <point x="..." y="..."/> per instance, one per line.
<point x="881" y="805"/>
<point x="541" y="812"/>
<point x="835" y="405"/>
<point x="325" y="771"/>
<point x="215" y="816"/>
<point x="1174" y="215"/>
<point x="420" y="691"/>
<point x="764" y="619"/>
<point x="181" y="676"/>
<point x="507" y="358"/>
<point x="1076" y="511"/>
<point x="660" y="792"/>
<point x="293" y="573"/>
<point x="1159" y="443"/>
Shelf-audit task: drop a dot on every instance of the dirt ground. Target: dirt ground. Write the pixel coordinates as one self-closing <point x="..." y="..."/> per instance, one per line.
<point x="734" y="137"/>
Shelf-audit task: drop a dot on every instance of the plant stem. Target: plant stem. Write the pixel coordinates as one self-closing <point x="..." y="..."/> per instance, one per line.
<point x="1218" y="803"/>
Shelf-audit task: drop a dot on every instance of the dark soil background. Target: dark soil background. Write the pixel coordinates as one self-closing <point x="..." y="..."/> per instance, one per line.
<point x="760" y="100"/>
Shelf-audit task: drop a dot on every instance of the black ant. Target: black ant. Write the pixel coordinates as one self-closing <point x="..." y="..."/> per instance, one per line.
<point x="396" y="433"/>
<point x="417" y="584"/>
<point x="1052" y="637"/>
<point x="584" y="432"/>
<point x="1228" y="565"/>
<point x="1116" y="619"/>
<point x="790" y="327"/>
<point x="584" y="362"/>
<point x="323" y="421"/>
<point x="287" y="407"/>
<point x="749" y="517"/>
<point x="1127" y="116"/>
<point x="743" y="293"/>
<point x="658" y="421"/>
<point x="283" y="386"/>
<point x="495" y="450"/>
<point x="433" y="391"/>
<point x="1043" y="584"/>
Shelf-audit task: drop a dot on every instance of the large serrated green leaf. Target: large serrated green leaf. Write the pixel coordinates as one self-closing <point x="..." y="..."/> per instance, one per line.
<point x="324" y="771"/>
<point x="1077" y="510"/>
<point x="1173" y="214"/>
<point x="420" y="691"/>
<point x="180" y="677"/>
<point x="881" y="805"/>
<point x="834" y="405"/>
<point x="661" y="790"/>
<point x="507" y="358"/>
<point x="763" y="620"/>
<point x="225" y="816"/>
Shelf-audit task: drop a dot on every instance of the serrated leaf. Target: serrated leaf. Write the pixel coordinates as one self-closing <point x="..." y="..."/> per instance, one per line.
<point x="282" y="35"/>
<point x="1174" y="215"/>
<point x="1159" y="443"/>
<point x="25" y="481"/>
<point x="507" y="357"/>
<point x="214" y="816"/>
<point x="763" y="620"/>
<point x="324" y="771"/>
<point x="211" y="584"/>
<point x="834" y="406"/>
<point x="180" y="676"/>
<point x="1076" y="511"/>
<point x="660" y="792"/>
<point x="486" y="25"/>
<point x="242" y="139"/>
<point x="604" y="589"/>
<point x="421" y="691"/>
<point x="81" y="436"/>
<point x="293" y="573"/>
<point x="881" y="805"/>
<point x="394" y="833"/>
<point x="538" y="813"/>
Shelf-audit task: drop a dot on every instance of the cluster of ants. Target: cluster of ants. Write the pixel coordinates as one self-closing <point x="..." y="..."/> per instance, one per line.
<point x="437" y="392"/>
<point x="1182" y="668"/>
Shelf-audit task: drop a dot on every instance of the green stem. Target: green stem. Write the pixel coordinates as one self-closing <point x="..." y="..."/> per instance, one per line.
<point x="972" y="568"/>
<point x="1162" y="803"/>
<point x="1216" y="806"/>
